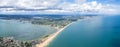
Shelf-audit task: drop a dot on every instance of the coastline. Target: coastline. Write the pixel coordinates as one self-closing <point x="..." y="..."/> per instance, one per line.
<point x="51" y="37"/>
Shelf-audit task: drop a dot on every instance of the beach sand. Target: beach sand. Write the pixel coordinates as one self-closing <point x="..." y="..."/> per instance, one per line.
<point x="51" y="37"/>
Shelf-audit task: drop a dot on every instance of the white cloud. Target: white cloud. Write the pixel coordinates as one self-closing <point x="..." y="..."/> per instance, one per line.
<point x="68" y="6"/>
<point x="80" y="1"/>
<point x="56" y="11"/>
<point x="29" y="3"/>
<point x="80" y="6"/>
<point x="90" y="7"/>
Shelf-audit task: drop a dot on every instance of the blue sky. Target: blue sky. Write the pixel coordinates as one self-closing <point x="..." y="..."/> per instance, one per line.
<point x="59" y="6"/>
<point x="117" y="2"/>
<point x="100" y="1"/>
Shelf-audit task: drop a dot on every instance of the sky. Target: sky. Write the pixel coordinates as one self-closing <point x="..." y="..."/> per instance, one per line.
<point x="59" y="6"/>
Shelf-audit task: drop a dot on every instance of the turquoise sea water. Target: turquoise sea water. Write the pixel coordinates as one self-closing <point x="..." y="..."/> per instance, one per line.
<point x="23" y="31"/>
<point x="101" y="31"/>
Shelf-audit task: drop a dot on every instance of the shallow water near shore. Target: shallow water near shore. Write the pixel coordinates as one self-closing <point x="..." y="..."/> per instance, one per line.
<point x="23" y="31"/>
<point x="101" y="31"/>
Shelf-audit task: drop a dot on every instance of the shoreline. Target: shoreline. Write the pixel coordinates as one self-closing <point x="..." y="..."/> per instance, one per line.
<point x="51" y="37"/>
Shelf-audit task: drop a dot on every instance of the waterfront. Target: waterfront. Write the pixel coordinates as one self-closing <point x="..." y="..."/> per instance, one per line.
<point x="52" y="36"/>
<point x="101" y="31"/>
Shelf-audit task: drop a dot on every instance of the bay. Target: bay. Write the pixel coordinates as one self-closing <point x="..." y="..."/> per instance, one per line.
<point x="101" y="31"/>
<point x="23" y="31"/>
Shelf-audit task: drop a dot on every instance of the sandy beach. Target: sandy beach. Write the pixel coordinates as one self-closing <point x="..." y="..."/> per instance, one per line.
<point x="51" y="37"/>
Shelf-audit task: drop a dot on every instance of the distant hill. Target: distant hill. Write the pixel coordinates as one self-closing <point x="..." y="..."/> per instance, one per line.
<point x="41" y="15"/>
<point x="30" y="16"/>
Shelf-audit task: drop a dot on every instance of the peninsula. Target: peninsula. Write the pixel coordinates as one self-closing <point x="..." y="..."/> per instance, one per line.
<point x="51" y="37"/>
<point x="58" y="23"/>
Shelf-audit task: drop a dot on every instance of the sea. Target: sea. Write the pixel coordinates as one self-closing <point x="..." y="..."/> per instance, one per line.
<point x="99" y="31"/>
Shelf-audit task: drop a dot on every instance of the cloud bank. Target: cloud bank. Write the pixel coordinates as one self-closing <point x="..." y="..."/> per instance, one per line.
<point x="56" y="6"/>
